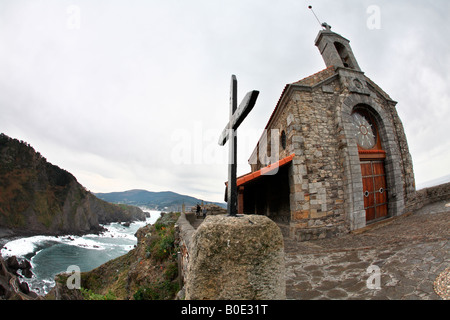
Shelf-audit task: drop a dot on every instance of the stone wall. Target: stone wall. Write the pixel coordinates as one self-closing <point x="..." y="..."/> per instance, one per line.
<point x="183" y="236"/>
<point x="426" y="196"/>
<point x="316" y="178"/>
<point x="211" y="210"/>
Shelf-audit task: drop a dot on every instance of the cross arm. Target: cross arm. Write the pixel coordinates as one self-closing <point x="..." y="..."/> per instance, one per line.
<point x="239" y="115"/>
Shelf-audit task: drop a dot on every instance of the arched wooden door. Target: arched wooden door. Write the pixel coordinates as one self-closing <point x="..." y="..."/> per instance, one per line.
<point x="372" y="156"/>
<point x="375" y="190"/>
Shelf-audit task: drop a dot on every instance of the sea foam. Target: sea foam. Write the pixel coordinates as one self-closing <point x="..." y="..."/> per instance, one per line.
<point x="50" y="255"/>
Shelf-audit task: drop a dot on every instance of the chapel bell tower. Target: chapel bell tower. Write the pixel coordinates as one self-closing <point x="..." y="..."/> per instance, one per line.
<point x="335" y="49"/>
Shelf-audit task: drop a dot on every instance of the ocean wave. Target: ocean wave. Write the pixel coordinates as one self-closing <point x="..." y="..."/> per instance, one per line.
<point x="50" y="255"/>
<point x="26" y="246"/>
<point x="29" y="246"/>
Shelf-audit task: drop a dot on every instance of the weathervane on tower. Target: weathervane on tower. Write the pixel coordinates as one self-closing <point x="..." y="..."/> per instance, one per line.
<point x="324" y="25"/>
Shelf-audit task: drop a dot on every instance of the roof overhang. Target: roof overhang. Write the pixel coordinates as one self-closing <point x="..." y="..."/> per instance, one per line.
<point x="271" y="169"/>
<point x="266" y="171"/>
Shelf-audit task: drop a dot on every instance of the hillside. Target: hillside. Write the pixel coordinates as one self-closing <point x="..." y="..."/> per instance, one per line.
<point x="37" y="197"/>
<point x="166" y="200"/>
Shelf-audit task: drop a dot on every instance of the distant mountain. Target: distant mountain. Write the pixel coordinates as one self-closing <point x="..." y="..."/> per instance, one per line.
<point x="166" y="200"/>
<point x="37" y="197"/>
<point x="434" y="182"/>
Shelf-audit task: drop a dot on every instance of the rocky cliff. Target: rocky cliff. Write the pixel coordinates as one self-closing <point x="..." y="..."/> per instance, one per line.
<point x="37" y="197"/>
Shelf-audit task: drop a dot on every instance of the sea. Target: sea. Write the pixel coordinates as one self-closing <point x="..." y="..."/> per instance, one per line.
<point x="50" y="255"/>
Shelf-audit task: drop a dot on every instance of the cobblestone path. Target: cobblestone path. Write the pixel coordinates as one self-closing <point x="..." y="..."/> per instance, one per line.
<point x="398" y="259"/>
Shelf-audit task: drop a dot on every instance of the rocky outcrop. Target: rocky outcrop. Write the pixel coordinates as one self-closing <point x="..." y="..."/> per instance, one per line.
<point x="11" y="288"/>
<point x="37" y="197"/>
<point x="13" y="265"/>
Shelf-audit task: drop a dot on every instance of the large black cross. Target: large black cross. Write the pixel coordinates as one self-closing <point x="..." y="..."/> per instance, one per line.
<point x="237" y="115"/>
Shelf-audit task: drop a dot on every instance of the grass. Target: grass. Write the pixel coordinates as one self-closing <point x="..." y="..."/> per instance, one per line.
<point x="90" y="295"/>
<point x="162" y="246"/>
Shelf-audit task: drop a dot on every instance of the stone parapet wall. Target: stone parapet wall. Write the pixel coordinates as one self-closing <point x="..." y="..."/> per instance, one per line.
<point x="183" y="236"/>
<point x="426" y="196"/>
<point x="320" y="230"/>
<point x="211" y="210"/>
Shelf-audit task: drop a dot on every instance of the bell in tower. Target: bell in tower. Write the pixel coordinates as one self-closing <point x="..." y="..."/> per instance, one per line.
<point x="335" y="49"/>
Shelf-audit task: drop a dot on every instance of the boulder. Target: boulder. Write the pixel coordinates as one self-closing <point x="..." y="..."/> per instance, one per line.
<point x="24" y="264"/>
<point x="12" y="263"/>
<point x="27" y="273"/>
<point x="236" y="258"/>
<point x="23" y="286"/>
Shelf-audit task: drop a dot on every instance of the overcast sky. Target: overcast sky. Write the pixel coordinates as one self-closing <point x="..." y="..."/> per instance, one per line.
<point x="134" y="94"/>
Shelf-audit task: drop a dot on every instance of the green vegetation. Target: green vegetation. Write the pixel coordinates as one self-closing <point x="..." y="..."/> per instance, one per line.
<point x="163" y="290"/>
<point x="89" y="295"/>
<point x="162" y="250"/>
<point x="162" y="246"/>
<point x="29" y="185"/>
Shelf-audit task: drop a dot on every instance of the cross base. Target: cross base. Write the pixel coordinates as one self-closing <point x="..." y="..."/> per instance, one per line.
<point x="235" y="215"/>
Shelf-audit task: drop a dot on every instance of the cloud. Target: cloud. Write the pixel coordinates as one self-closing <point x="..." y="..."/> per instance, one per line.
<point x="135" y="94"/>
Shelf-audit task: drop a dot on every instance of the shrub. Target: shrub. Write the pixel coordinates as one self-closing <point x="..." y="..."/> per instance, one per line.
<point x="163" y="290"/>
<point x="90" y="295"/>
<point x="164" y="245"/>
<point x="171" y="272"/>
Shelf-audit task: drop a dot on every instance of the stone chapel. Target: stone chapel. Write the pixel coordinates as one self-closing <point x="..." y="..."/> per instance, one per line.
<point x="342" y="158"/>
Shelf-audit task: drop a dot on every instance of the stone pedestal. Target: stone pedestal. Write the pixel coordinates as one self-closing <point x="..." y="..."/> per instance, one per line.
<point x="236" y="258"/>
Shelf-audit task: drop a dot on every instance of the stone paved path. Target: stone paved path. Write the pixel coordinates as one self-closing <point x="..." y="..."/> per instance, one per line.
<point x="409" y="253"/>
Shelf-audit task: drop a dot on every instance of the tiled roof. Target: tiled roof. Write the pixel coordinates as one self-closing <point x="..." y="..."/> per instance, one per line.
<point x="317" y="77"/>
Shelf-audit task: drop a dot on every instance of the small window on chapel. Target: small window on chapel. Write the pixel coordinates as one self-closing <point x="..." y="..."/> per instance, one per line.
<point x="283" y="139"/>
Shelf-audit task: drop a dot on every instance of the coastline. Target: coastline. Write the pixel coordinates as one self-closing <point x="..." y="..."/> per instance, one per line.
<point x="110" y="242"/>
<point x="7" y="235"/>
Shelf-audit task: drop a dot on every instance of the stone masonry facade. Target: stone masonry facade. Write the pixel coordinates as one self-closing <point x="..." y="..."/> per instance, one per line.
<point x="314" y="116"/>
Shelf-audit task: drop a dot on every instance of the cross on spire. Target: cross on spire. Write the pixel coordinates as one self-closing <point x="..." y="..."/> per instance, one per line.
<point x="326" y="26"/>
